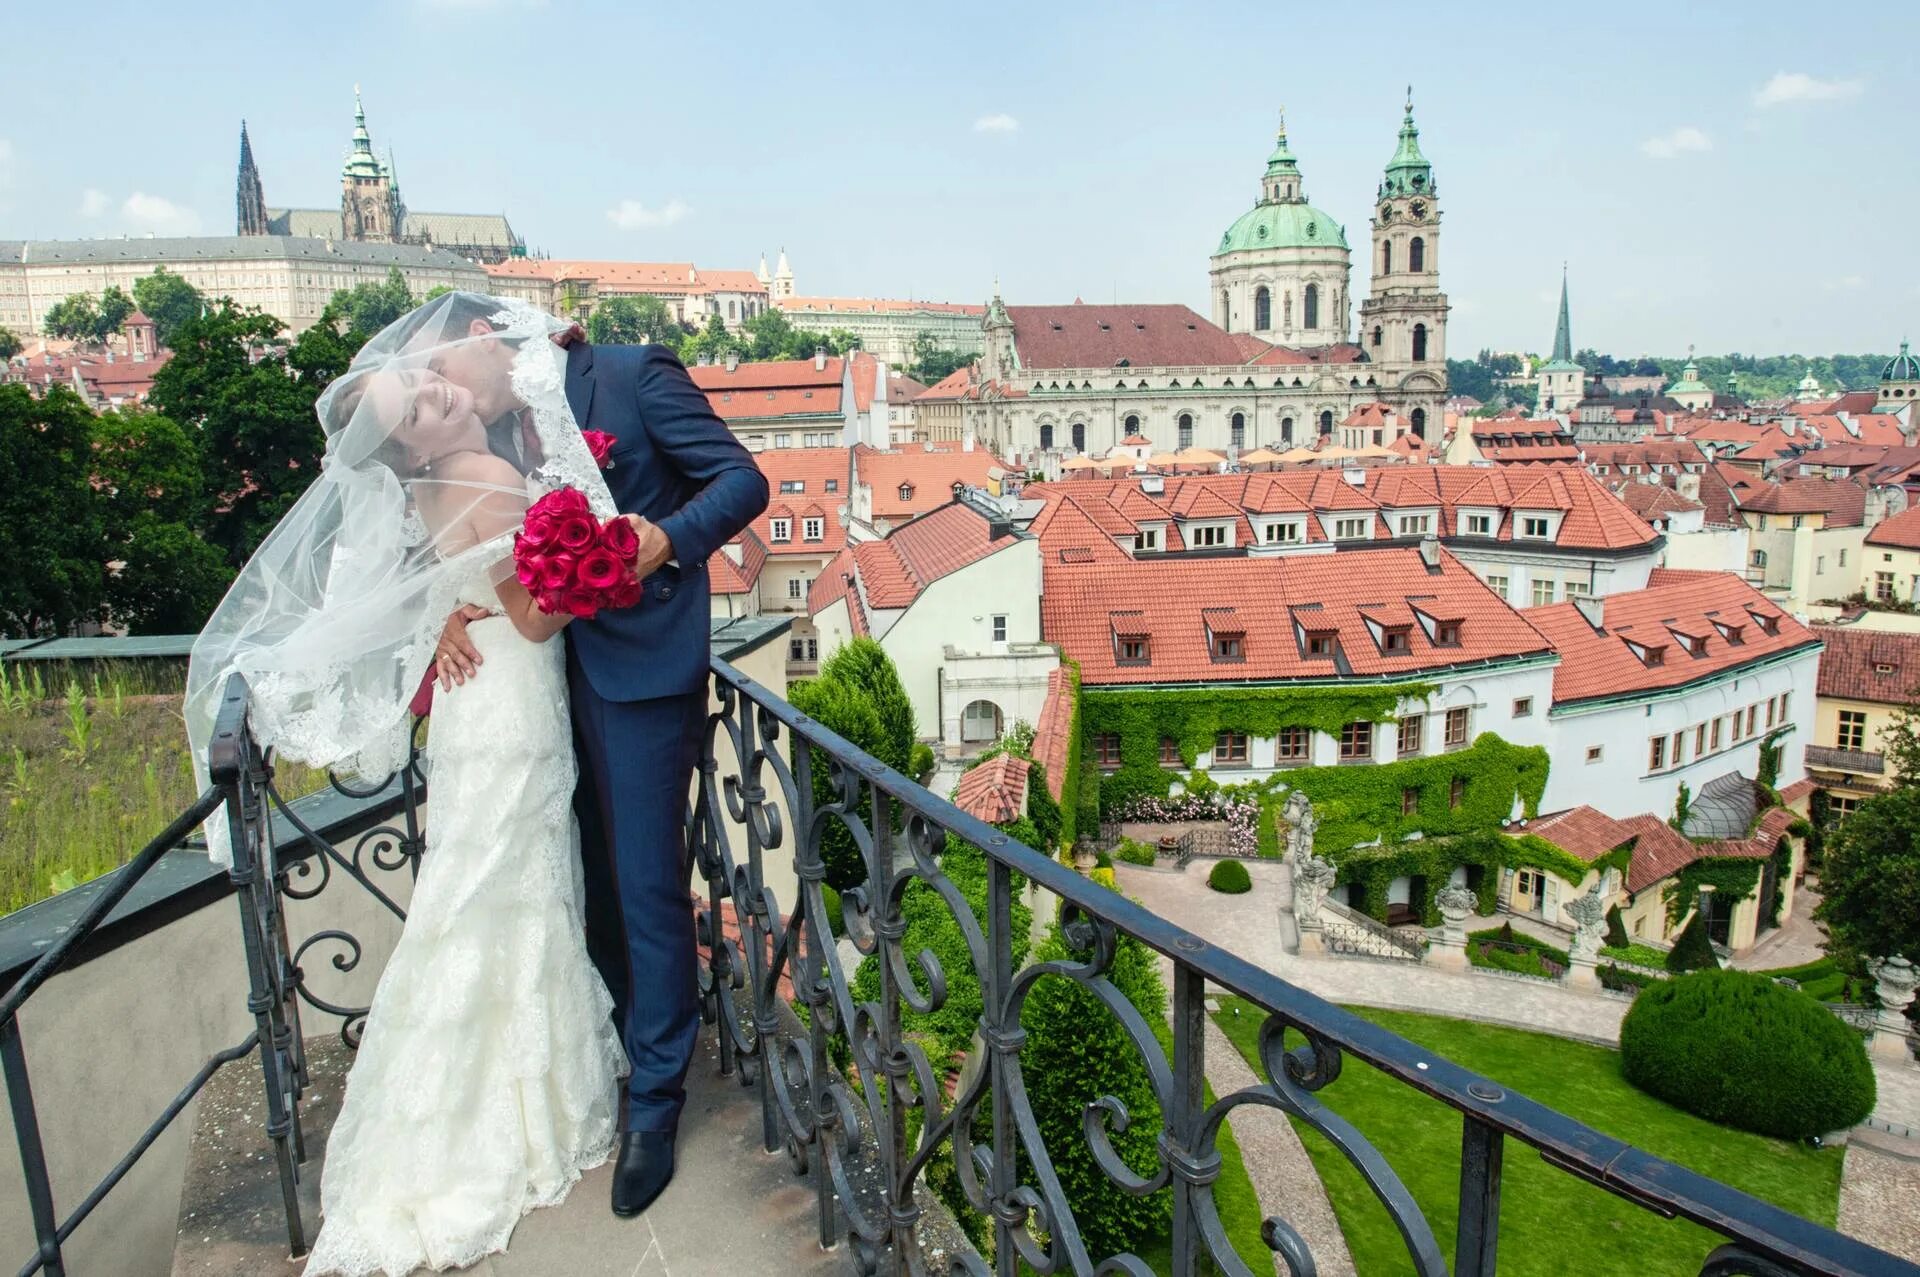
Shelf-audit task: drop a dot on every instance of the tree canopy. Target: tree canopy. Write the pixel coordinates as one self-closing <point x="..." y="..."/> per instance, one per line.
<point x="367" y="308"/>
<point x="633" y="321"/>
<point x="51" y="573"/>
<point x="932" y="361"/>
<point x="169" y="301"/>
<point x="9" y="344"/>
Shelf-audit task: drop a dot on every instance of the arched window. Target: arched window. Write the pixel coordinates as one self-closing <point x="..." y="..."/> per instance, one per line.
<point x="1262" y="309"/>
<point x="1226" y="311"/>
<point x="980" y="722"/>
<point x="1186" y="430"/>
<point x="1310" y="307"/>
<point x="1386" y="257"/>
<point x="1286" y="430"/>
<point x="1238" y="430"/>
<point x="1326" y="422"/>
<point x="1420" y="422"/>
<point x="1046" y="437"/>
<point x="1133" y="425"/>
<point x="1417" y="255"/>
<point x="1079" y="436"/>
<point x="1377" y="333"/>
<point x="1419" y="342"/>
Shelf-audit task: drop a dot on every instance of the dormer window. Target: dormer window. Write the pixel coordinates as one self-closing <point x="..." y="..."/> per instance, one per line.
<point x="1446" y="634"/>
<point x="1147" y="539"/>
<point x="813" y="528"/>
<point x="1211" y="536"/>
<point x="906" y="492"/>
<point x="1415" y="525"/>
<point x="1733" y="634"/>
<point x="1396" y="641"/>
<point x="1479" y="525"/>
<point x="1321" y="643"/>
<point x="1767" y="624"/>
<point x="1229" y="645"/>
<point x="780" y="530"/>
<point x="1134" y="650"/>
<point x="1350" y="529"/>
<point x="1535" y="527"/>
<point x="1650" y="655"/>
<point x="1282" y="533"/>
<point x="1882" y="667"/>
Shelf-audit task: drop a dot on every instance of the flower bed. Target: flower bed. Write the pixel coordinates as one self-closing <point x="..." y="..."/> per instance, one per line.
<point x="1241" y="816"/>
<point x="1504" y="949"/>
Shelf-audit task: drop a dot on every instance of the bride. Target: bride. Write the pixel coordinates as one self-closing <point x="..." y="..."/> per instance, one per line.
<point x="485" y="1082"/>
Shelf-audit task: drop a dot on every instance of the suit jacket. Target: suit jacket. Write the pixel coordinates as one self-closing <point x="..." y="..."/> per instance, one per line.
<point x="675" y="463"/>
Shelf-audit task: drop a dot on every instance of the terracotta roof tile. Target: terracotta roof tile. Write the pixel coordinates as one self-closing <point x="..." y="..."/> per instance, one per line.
<point x="1582" y="832"/>
<point x="995" y="791"/>
<point x="894" y="570"/>
<point x="1081" y="336"/>
<point x="813" y="469"/>
<point x="1601" y="663"/>
<point x="916" y="478"/>
<point x="1842" y="500"/>
<point x="1051" y="738"/>
<point x="1868" y="665"/>
<point x="1902" y="531"/>
<point x="728" y="577"/>
<point x="1659" y="851"/>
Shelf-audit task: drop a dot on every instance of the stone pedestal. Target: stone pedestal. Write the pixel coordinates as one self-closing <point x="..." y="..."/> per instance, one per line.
<point x="1312" y="879"/>
<point x="1449" y="948"/>
<point x="1895" y="980"/>
<point x="1313" y="944"/>
<point x="1581" y="973"/>
<point x="1589" y="913"/>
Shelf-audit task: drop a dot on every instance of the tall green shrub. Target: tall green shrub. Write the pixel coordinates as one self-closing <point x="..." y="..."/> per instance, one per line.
<point x="1693" y="951"/>
<point x="864" y="664"/>
<point x="1617" y="936"/>
<point x="847" y="710"/>
<point x="1076" y="1052"/>
<point x="1736" y="1048"/>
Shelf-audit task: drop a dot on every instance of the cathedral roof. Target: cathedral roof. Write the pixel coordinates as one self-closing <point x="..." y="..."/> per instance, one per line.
<point x="1082" y="336"/>
<point x="1902" y="367"/>
<point x="1408" y="172"/>
<point x="1282" y="225"/>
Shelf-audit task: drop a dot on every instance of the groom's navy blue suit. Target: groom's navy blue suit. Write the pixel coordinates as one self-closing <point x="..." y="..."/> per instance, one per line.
<point x="638" y="679"/>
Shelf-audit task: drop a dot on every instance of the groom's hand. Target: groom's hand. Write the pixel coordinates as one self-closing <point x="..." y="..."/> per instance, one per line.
<point x="456" y="659"/>
<point x="568" y="335"/>
<point x="655" y="548"/>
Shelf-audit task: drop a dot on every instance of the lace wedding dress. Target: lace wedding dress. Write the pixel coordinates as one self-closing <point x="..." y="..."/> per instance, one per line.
<point x="486" y="1079"/>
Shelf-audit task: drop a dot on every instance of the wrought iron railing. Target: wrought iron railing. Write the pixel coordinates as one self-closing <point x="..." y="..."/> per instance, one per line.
<point x="849" y="1090"/>
<point x="1863" y="762"/>
<point x="1350" y="933"/>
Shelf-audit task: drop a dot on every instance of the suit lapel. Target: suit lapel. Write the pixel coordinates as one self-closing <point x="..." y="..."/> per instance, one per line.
<point x="580" y="380"/>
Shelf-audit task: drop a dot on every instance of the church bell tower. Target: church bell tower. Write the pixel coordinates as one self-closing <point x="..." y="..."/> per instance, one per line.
<point x="250" y="212"/>
<point x="369" y="205"/>
<point x="1403" y="322"/>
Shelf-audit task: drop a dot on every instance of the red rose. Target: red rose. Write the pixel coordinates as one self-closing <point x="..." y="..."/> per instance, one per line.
<point x="620" y="540"/>
<point x="599" y="571"/>
<point x="539" y="531"/>
<point x="600" y="444"/>
<point x="529" y="568"/>
<point x="561" y="502"/>
<point x="556" y="572"/>
<point x="583" y="604"/>
<point x="577" y="532"/>
<point x="626" y="593"/>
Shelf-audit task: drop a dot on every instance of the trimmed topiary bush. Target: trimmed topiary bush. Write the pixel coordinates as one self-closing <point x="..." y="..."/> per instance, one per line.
<point x="1230" y="877"/>
<point x="1736" y="1048"/>
<point x="1617" y="936"/>
<point x="920" y="763"/>
<point x="1693" y="951"/>
<point x="1134" y="852"/>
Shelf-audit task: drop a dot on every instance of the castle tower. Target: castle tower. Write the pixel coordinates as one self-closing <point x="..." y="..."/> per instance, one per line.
<point x="1280" y="272"/>
<point x="1403" y="322"/>
<point x="368" y="208"/>
<point x="250" y="212"/>
<point x="782" y="280"/>
<point x="1563" y="383"/>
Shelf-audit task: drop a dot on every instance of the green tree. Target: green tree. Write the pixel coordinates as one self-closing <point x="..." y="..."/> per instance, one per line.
<point x="260" y="441"/>
<point x="367" y="308"/>
<point x="849" y="712"/>
<point x="51" y="575"/>
<point x="438" y="290"/>
<point x="9" y="345"/>
<point x="1693" y="951"/>
<point x="115" y="306"/>
<point x="712" y="343"/>
<point x="633" y="321"/>
<point x="1900" y="742"/>
<point x="864" y="664"/>
<point x="1871" y="883"/>
<point x="162" y="577"/>
<point x="932" y="361"/>
<point x="771" y="335"/>
<point x="73" y="318"/>
<point x="169" y="301"/>
<point x="1077" y="1052"/>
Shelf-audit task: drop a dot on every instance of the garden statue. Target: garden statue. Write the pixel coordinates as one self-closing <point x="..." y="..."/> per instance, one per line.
<point x="1590" y="924"/>
<point x="1455" y="903"/>
<point x="1895" y="980"/>
<point x="1301" y="825"/>
<point x="1312" y="879"/>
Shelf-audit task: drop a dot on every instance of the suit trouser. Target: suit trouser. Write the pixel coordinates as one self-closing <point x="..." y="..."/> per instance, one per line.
<point x="636" y="764"/>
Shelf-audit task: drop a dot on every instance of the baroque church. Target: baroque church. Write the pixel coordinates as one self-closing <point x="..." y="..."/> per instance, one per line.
<point x="1278" y="365"/>
<point x="371" y="209"/>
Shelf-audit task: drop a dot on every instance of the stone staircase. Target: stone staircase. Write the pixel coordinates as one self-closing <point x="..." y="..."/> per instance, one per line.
<point x="732" y="1208"/>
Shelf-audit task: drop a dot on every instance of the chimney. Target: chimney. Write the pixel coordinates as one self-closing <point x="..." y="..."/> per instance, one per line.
<point x="1593" y="608"/>
<point x="1355" y="476"/>
<point x="1430" y="552"/>
<point x="733" y="360"/>
<point x="819" y="358"/>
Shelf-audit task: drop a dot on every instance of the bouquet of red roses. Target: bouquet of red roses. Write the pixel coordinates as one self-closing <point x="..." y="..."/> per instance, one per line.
<point x="570" y="561"/>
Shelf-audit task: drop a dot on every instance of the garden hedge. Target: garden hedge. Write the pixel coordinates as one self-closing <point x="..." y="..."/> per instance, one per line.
<point x="1736" y="1048"/>
<point x="1229" y="877"/>
<point x="1693" y="951"/>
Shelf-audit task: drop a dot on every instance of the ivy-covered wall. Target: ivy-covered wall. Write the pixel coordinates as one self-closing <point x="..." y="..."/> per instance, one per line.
<point x="1430" y="862"/>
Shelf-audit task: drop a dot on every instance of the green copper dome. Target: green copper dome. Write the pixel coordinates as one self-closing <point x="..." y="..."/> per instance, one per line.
<point x="1408" y="172"/>
<point x="1902" y="367"/>
<point x="1282" y="226"/>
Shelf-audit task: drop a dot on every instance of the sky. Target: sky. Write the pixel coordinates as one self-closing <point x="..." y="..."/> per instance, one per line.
<point x="1736" y="177"/>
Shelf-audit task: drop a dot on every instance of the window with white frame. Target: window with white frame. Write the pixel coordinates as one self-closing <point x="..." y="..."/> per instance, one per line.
<point x="1000" y="628"/>
<point x="1350" y="529"/>
<point x="780" y="530"/>
<point x="1536" y="527"/>
<point x="1497" y="582"/>
<point x="1415" y="525"/>
<point x="1282" y="533"/>
<point x="796" y="588"/>
<point x="1542" y="592"/>
<point x="1147" y="539"/>
<point x="1208" y="536"/>
<point x="1479" y="525"/>
<point x="813" y="528"/>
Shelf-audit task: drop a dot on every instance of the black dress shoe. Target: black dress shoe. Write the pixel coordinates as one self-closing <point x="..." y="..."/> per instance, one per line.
<point x="643" y="1169"/>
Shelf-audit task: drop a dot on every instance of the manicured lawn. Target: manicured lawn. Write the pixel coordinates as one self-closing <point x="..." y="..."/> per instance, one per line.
<point x="1643" y="954"/>
<point x="1239" y="1207"/>
<point x="1550" y="1222"/>
<point x="1822" y="979"/>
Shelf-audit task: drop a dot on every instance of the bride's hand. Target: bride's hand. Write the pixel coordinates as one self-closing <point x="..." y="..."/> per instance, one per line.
<point x="456" y="659"/>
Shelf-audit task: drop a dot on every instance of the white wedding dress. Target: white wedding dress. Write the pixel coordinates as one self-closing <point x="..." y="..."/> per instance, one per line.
<point x="486" y="1079"/>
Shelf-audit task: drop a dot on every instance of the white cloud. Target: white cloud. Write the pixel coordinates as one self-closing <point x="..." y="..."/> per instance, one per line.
<point x="143" y="212"/>
<point x="999" y="123"/>
<point x="1798" y="86"/>
<point x="94" y="203"/>
<point x="1679" y="142"/>
<point x="632" y="215"/>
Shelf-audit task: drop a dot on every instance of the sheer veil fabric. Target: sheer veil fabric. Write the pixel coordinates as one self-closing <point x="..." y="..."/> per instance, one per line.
<point x="446" y="426"/>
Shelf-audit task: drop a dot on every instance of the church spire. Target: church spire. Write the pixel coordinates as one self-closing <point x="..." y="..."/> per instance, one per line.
<point x="1563" y="331"/>
<point x="361" y="161"/>
<point x="1408" y="172"/>
<point x="1282" y="181"/>
<point x="250" y="205"/>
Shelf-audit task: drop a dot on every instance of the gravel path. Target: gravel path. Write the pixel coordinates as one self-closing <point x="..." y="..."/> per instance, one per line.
<point x="1878" y="1193"/>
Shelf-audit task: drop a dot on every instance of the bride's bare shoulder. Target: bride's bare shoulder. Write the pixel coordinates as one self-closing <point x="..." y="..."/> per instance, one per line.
<point x="481" y="467"/>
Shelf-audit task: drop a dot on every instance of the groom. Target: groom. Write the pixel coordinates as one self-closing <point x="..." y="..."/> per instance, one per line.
<point x="638" y="681"/>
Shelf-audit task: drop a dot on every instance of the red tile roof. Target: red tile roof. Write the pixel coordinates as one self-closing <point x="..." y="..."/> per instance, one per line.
<point x="995" y="791"/>
<point x="1051" y="738"/>
<point x="1654" y="500"/>
<point x="915" y="478"/>
<point x="1902" y="531"/>
<point x="1291" y="356"/>
<point x="893" y="571"/>
<point x="631" y="277"/>
<point x="812" y="469"/>
<point x="1601" y="663"/>
<point x="1842" y="500"/>
<point x="1659" y="851"/>
<point x="1855" y="401"/>
<point x="1271" y="601"/>
<point x="1582" y="832"/>
<point x="727" y="577"/>
<point x="1081" y="336"/>
<point x="956" y="385"/>
<point x="1869" y="665"/>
